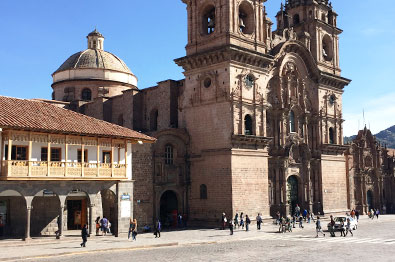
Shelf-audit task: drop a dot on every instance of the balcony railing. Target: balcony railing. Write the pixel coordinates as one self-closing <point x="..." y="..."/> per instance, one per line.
<point x="18" y="170"/>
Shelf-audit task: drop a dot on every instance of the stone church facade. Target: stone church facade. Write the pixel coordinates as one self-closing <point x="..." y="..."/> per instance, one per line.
<point x="256" y="126"/>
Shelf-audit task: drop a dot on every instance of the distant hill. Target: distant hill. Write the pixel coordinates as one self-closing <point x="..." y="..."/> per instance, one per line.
<point x="385" y="137"/>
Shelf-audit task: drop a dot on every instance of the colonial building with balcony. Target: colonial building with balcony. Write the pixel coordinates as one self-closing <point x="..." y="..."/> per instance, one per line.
<point x="61" y="170"/>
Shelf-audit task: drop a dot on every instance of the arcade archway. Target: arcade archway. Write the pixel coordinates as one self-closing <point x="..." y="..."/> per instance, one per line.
<point x="169" y="209"/>
<point x="13" y="213"/>
<point x="45" y="213"/>
<point x="76" y="209"/>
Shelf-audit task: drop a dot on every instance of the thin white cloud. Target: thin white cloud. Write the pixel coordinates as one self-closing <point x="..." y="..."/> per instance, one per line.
<point x="379" y="115"/>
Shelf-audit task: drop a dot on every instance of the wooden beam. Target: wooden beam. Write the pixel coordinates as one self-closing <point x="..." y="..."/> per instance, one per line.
<point x="30" y="149"/>
<point x="112" y="158"/>
<point x="49" y="155"/>
<point x="98" y="157"/>
<point x="82" y="157"/>
<point x="66" y="152"/>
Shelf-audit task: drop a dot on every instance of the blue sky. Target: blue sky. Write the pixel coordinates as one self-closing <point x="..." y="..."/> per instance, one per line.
<point x="38" y="36"/>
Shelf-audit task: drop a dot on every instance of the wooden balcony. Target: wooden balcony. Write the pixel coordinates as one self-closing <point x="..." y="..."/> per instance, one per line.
<point x="38" y="170"/>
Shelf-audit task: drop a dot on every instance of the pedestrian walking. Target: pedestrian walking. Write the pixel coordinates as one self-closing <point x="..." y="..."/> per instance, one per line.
<point x="158" y="227"/>
<point x="332" y="227"/>
<point x="223" y="221"/>
<point x="241" y="220"/>
<point x="297" y="210"/>
<point x="357" y="215"/>
<point x="278" y="216"/>
<point x="318" y="227"/>
<point x="258" y="221"/>
<point x="301" y="222"/>
<point x="372" y="213"/>
<point x="97" y="223"/>
<point x="231" y="225"/>
<point x="304" y="215"/>
<point x="134" y="230"/>
<point x="348" y="227"/>
<point x="342" y="228"/>
<point x="130" y="228"/>
<point x="248" y="222"/>
<point x="84" y="235"/>
<point x="377" y="213"/>
<point x="236" y="220"/>
<point x="308" y="217"/>
<point x="293" y="221"/>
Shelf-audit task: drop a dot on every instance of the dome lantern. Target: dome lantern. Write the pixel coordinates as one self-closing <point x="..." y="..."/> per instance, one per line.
<point x="95" y="40"/>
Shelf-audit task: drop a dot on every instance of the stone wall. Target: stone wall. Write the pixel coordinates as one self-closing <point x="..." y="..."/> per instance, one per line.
<point x="143" y="197"/>
<point x="334" y="183"/>
<point x="250" y="183"/>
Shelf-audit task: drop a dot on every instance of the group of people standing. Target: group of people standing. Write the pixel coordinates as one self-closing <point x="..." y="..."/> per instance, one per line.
<point x="240" y="221"/>
<point x="102" y="225"/>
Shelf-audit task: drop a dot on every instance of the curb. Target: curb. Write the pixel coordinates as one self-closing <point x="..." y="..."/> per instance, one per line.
<point x="91" y="251"/>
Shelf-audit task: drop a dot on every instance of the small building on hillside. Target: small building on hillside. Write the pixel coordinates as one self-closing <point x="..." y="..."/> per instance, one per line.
<point x="61" y="170"/>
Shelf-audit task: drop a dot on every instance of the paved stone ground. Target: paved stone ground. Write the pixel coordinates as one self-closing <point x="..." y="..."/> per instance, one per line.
<point x="374" y="239"/>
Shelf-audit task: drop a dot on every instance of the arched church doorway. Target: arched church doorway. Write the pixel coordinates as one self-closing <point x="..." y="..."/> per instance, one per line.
<point x="292" y="193"/>
<point x="169" y="209"/>
<point x="369" y="196"/>
<point x="110" y="208"/>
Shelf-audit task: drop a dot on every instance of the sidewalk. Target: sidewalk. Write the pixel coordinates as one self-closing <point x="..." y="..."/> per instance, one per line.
<point x="43" y="247"/>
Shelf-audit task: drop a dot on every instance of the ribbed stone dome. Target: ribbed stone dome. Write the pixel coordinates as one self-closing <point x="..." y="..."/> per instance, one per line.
<point x="94" y="58"/>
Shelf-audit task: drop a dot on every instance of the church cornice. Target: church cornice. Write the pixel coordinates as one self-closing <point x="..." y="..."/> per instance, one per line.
<point x="229" y="53"/>
<point x="335" y="81"/>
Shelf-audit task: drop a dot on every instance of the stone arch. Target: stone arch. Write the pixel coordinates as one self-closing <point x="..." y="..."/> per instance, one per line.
<point x="45" y="214"/>
<point x="170" y="204"/>
<point x="76" y="205"/>
<point x="13" y="210"/>
<point x="208" y="18"/>
<point x="110" y="208"/>
<point x="246" y="18"/>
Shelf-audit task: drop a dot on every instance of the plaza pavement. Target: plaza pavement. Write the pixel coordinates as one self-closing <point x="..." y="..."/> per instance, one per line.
<point x="44" y="248"/>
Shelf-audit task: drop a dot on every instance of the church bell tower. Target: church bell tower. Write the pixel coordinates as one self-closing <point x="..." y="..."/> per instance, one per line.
<point x="214" y="23"/>
<point x="314" y="21"/>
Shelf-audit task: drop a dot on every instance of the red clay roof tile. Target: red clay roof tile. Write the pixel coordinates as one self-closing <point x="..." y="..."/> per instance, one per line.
<point x="40" y="116"/>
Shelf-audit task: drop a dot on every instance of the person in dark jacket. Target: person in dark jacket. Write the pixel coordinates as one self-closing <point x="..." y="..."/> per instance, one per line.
<point x="248" y="222"/>
<point x="158" y="227"/>
<point x="84" y="235"/>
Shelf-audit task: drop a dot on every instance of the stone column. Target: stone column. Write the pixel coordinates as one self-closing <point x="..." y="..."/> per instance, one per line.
<point x="28" y="216"/>
<point x="60" y="222"/>
<point x="91" y="219"/>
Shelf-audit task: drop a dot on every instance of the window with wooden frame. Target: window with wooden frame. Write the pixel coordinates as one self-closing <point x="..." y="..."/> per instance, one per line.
<point x="56" y="154"/>
<point x="79" y="155"/>
<point x="17" y="152"/>
<point x="107" y="158"/>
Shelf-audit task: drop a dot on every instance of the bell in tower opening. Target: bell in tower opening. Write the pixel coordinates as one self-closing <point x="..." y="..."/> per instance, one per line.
<point x="209" y="20"/>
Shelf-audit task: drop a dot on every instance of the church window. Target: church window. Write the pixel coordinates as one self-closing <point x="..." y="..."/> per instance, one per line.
<point x="246" y="18"/>
<point x="327" y="49"/>
<point x="323" y="17"/>
<point x="332" y="99"/>
<point x="154" y="120"/>
<point x="331" y="136"/>
<point x="203" y="191"/>
<point x="296" y="19"/>
<point x="292" y="124"/>
<point x="86" y="94"/>
<point x="207" y="82"/>
<point x="249" y="81"/>
<point x="248" y="125"/>
<point x="209" y="20"/>
<point x="169" y="155"/>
